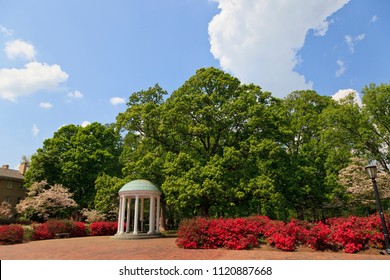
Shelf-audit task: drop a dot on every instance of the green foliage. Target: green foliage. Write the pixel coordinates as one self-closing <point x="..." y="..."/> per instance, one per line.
<point x="107" y="187"/>
<point x="75" y="156"/>
<point x="220" y="148"/>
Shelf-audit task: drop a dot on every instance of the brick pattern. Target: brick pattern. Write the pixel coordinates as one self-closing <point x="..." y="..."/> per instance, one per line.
<point x="106" y="248"/>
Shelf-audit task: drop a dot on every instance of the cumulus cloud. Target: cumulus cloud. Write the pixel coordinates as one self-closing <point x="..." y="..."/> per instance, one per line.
<point x="341" y="68"/>
<point x="75" y="95"/>
<point x="343" y="93"/>
<point x="33" y="77"/>
<point x="45" y="105"/>
<point x="6" y="31"/>
<point x="117" y="100"/>
<point x="35" y="130"/>
<point x="258" y="40"/>
<point x="85" y="123"/>
<point x="20" y="49"/>
<point x="351" y="41"/>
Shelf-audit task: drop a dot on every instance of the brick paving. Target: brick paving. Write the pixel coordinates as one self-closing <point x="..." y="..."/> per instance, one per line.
<point x="106" y="248"/>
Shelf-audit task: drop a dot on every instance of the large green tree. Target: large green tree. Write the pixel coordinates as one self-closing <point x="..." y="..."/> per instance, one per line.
<point x="75" y="156"/>
<point x="376" y="100"/>
<point x="309" y="183"/>
<point x="202" y="144"/>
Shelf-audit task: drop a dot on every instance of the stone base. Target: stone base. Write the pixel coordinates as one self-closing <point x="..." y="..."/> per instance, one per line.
<point x="136" y="236"/>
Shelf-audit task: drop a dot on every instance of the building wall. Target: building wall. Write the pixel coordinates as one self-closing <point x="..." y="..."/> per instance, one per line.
<point x="11" y="190"/>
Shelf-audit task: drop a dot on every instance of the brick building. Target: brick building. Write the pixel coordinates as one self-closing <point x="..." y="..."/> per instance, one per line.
<point x="11" y="184"/>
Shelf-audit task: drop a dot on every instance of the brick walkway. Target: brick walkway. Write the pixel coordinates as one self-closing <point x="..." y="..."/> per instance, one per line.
<point x="105" y="248"/>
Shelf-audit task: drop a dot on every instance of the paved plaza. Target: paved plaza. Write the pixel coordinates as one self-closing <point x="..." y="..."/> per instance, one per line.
<point x="106" y="248"/>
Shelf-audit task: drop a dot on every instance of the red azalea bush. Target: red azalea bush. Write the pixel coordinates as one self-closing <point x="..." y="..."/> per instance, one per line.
<point x="79" y="230"/>
<point x="235" y="234"/>
<point x="193" y="234"/>
<point x="320" y="237"/>
<point x="40" y="232"/>
<point x="10" y="234"/>
<point x="351" y="234"/>
<point x="50" y="228"/>
<point x="103" y="228"/>
<point x="59" y="226"/>
<point x="287" y="236"/>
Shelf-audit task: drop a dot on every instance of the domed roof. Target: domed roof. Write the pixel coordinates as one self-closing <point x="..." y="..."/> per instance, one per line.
<point x="139" y="185"/>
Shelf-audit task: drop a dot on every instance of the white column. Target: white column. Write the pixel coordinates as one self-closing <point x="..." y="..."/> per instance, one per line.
<point x="152" y="209"/>
<point x="142" y="214"/>
<point x="158" y="215"/>
<point x="136" y="215"/>
<point x="119" y="216"/>
<point x="122" y="214"/>
<point x="128" y="215"/>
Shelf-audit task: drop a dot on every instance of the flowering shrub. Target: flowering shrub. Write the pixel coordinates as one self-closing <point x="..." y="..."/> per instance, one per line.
<point x="238" y="234"/>
<point x="103" y="228"/>
<point x="235" y="234"/>
<point x="193" y="234"/>
<point x="93" y="215"/>
<point x="350" y="234"/>
<point x="5" y="210"/>
<point x="10" y="234"/>
<point x="59" y="226"/>
<point x="78" y="230"/>
<point x="44" y="201"/>
<point x="286" y="236"/>
<point x="40" y="232"/>
<point x="319" y="237"/>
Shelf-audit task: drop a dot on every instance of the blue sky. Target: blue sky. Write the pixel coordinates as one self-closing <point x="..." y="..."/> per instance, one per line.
<point x="74" y="62"/>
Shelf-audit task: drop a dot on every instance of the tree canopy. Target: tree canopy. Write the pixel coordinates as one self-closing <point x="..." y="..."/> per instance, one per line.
<point x="74" y="157"/>
<point x="218" y="147"/>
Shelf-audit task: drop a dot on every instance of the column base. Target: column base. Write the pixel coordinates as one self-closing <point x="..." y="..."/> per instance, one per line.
<point x="136" y="236"/>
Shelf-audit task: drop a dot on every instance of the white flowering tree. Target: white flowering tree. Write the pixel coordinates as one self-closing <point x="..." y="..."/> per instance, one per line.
<point x="44" y="202"/>
<point x="5" y="210"/>
<point x="357" y="182"/>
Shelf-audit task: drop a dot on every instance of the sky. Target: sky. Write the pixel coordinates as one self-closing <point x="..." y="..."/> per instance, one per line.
<point x="77" y="62"/>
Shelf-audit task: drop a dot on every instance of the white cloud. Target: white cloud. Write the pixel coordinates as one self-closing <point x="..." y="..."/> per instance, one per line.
<point x="20" y="49"/>
<point x="46" y="105"/>
<point x="6" y="31"/>
<point x="117" y="100"/>
<point x="352" y="41"/>
<point x="343" y="93"/>
<point x="374" y="18"/>
<point x="33" y="77"/>
<point x="340" y="71"/>
<point x="35" y="130"/>
<point x="85" y="123"/>
<point x="258" y="40"/>
<point x="75" y="95"/>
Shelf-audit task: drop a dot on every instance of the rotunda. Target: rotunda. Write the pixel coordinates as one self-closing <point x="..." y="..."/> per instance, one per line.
<point x="132" y="222"/>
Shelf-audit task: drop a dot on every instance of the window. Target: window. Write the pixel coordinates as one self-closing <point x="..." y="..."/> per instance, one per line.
<point x="10" y="185"/>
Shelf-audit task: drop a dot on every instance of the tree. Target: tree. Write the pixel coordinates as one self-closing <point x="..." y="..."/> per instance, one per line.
<point x="201" y="145"/>
<point x="6" y="210"/>
<point x="358" y="184"/>
<point x="310" y="169"/>
<point x="75" y="156"/>
<point x="107" y="198"/>
<point x="376" y="100"/>
<point x="44" y="202"/>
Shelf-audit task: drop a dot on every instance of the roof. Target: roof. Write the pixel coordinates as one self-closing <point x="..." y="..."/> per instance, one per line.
<point x="139" y="185"/>
<point x="6" y="173"/>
